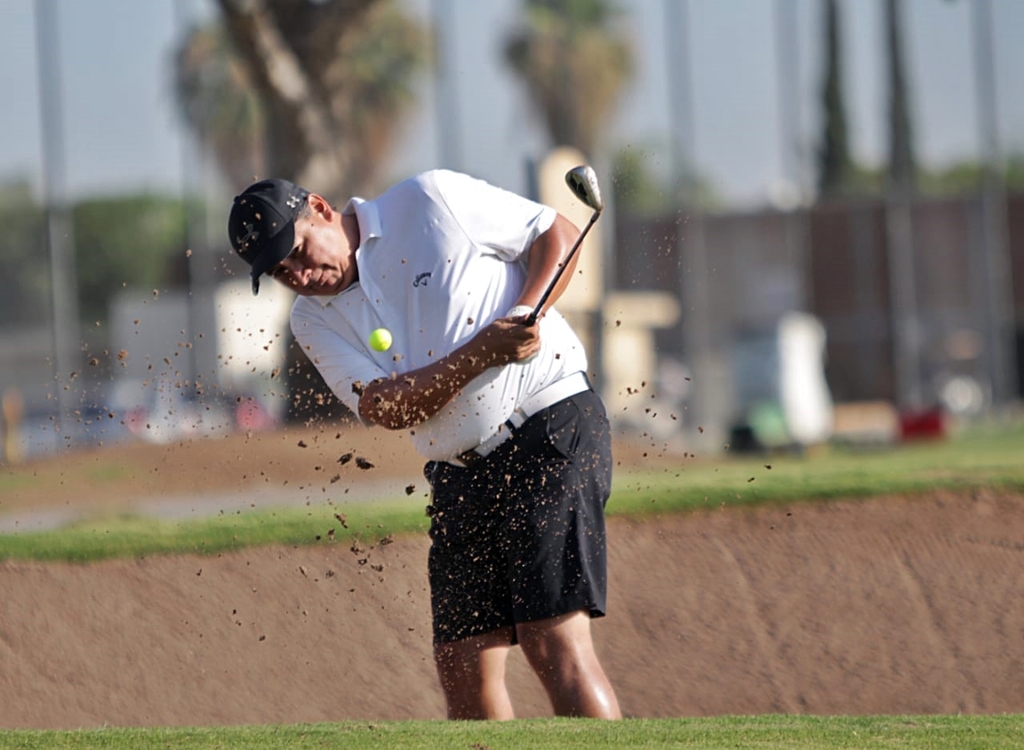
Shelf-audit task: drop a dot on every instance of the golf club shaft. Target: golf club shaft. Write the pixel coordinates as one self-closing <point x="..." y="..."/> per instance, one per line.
<point x="561" y="269"/>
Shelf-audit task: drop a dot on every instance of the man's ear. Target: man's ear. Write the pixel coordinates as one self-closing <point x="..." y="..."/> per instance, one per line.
<point x="319" y="205"/>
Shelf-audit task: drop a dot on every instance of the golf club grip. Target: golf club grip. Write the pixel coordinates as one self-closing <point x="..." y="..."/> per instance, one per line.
<point x="561" y="269"/>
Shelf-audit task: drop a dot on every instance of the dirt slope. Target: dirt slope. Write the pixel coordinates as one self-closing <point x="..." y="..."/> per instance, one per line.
<point x="894" y="605"/>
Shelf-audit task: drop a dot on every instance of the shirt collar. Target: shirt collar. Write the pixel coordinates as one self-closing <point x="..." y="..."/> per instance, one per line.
<point x="368" y="216"/>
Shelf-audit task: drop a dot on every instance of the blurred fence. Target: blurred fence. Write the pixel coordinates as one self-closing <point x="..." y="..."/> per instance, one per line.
<point x="833" y="260"/>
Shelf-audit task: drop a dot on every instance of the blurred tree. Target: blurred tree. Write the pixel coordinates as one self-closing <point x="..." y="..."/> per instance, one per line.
<point x="961" y="178"/>
<point x="310" y="90"/>
<point x="119" y="242"/>
<point x="26" y="291"/>
<point x="639" y="191"/>
<point x="23" y="247"/>
<point x="834" y="164"/>
<point x="124" y="242"/>
<point x="574" y="64"/>
<point x="1015" y="172"/>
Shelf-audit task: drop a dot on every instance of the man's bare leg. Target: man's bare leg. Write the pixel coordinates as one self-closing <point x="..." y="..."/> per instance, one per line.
<point x="472" y="673"/>
<point x="561" y="651"/>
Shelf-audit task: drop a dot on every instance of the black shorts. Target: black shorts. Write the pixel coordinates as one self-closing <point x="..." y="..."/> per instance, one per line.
<point x="520" y="535"/>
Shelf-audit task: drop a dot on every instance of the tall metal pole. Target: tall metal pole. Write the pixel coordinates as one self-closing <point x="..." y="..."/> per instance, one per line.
<point x="791" y="155"/>
<point x="694" y="277"/>
<point x="899" y="226"/>
<point x="59" y="234"/>
<point x="1000" y="344"/>
<point x="446" y="96"/>
<point x="197" y="267"/>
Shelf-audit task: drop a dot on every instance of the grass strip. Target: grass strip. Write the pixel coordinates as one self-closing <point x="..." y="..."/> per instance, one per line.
<point x="990" y="460"/>
<point x="993" y="460"/>
<point x="773" y="732"/>
<point x="128" y="536"/>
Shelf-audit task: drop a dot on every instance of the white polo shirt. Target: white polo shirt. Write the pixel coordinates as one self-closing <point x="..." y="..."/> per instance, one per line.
<point x="441" y="256"/>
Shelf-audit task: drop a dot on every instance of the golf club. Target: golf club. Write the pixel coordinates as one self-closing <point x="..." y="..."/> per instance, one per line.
<point x="583" y="183"/>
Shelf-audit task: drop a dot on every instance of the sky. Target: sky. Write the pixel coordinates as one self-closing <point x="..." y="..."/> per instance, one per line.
<point x="122" y="134"/>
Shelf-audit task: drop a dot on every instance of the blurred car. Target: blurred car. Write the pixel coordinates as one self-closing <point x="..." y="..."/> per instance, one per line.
<point x="86" y="426"/>
<point x="163" y="412"/>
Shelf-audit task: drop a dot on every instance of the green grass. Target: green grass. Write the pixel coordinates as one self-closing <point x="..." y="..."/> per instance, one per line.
<point x="761" y="732"/>
<point x="991" y="458"/>
<point x="135" y="536"/>
<point x="985" y="459"/>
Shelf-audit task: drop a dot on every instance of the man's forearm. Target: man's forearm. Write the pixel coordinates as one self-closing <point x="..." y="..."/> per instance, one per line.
<point x="546" y="257"/>
<point x="404" y="401"/>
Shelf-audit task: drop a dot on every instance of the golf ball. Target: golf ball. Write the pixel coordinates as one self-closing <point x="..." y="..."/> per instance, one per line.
<point x="380" y="340"/>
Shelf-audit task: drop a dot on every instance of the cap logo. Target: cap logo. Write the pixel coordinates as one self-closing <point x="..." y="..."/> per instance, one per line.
<point x="251" y="235"/>
<point x="293" y="201"/>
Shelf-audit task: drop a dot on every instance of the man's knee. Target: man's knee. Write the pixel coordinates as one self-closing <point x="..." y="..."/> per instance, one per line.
<point x="561" y="651"/>
<point x="556" y="642"/>
<point x="472" y="674"/>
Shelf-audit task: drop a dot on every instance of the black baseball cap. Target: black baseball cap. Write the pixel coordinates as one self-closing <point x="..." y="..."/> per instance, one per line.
<point x="262" y="224"/>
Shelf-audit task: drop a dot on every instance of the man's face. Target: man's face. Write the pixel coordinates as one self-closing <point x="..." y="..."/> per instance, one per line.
<point x="322" y="262"/>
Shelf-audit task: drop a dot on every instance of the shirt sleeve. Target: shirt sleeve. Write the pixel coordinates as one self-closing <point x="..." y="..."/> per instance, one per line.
<point x="493" y="218"/>
<point x="344" y="367"/>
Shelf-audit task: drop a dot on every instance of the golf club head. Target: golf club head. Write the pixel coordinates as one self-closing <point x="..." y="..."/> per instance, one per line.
<point x="582" y="181"/>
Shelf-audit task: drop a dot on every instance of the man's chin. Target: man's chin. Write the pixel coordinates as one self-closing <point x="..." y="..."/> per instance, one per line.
<point x="319" y="290"/>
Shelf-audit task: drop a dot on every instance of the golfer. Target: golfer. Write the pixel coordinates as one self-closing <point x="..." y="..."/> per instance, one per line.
<point x="517" y="443"/>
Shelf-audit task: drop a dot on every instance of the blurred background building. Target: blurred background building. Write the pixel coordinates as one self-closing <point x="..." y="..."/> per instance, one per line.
<point x="815" y="224"/>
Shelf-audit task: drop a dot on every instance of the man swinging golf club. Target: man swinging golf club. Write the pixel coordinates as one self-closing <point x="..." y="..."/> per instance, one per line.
<point x="490" y="382"/>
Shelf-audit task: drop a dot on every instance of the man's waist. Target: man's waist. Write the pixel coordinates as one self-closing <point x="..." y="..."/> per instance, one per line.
<point x="561" y="389"/>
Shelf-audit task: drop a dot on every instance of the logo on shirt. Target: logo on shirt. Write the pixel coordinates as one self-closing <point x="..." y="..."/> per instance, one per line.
<point x="422" y="278"/>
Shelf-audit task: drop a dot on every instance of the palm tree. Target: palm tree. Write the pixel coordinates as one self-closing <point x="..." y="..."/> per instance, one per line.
<point x="311" y="90"/>
<point x="574" y="65"/>
<point x="219" y="103"/>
